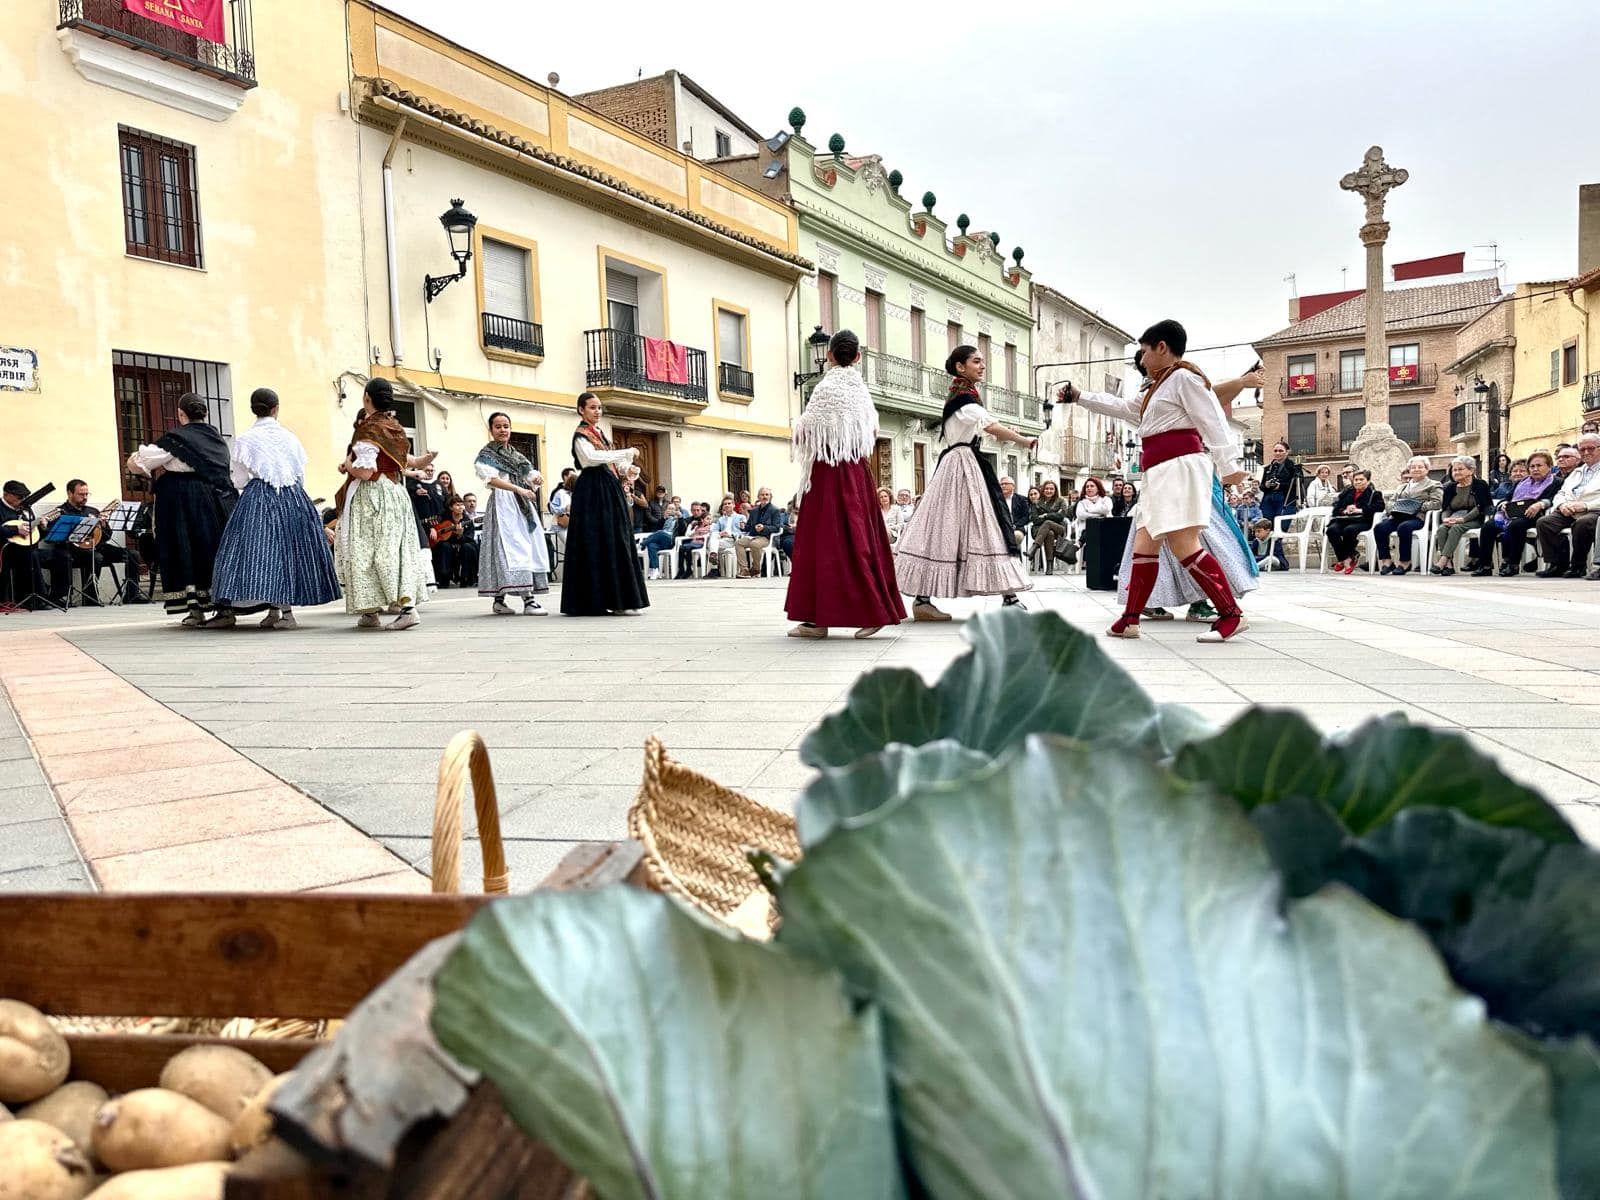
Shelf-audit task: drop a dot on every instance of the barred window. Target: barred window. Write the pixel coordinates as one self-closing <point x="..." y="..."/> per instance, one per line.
<point x="160" y="202"/>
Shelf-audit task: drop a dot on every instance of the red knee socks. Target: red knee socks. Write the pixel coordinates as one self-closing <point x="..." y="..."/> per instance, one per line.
<point x="1141" y="582"/>
<point x="1208" y="575"/>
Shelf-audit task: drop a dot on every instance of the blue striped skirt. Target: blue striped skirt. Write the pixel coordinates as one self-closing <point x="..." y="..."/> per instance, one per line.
<point x="274" y="551"/>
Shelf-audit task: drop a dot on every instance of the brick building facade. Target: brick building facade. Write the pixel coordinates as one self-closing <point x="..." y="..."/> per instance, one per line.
<point x="1316" y="368"/>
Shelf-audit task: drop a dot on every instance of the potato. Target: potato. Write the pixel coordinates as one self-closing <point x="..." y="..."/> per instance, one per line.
<point x="71" y="1109"/>
<point x="200" y="1181"/>
<point x="39" y="1162"/>
<point x="220" y="1077"/>
<point x="153" y="1127"/>
<point x="33" y="1056"/>
<point x="254" y="1126"/>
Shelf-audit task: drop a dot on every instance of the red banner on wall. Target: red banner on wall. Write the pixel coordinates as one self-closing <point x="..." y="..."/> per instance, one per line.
<point x="1304" y="382"/>
<point x="200" y="18"/>
<point x="1403" y="374"/>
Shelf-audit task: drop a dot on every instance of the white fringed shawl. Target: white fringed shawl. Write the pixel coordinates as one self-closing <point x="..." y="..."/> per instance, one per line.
<point x="839" y="424"/>
<point x="269" y="452"/>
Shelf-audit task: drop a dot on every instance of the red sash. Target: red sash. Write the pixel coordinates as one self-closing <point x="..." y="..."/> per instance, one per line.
<point x="1158" y="448"/>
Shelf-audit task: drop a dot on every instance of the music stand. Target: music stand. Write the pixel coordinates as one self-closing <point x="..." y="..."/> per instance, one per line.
<point x="35" y="572"/>
<point x="61" y="532"/>
<point x="122" y="519"/>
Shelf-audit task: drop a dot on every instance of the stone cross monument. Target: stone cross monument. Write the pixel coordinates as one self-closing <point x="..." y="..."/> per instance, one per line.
<point x="1376" y="448"/>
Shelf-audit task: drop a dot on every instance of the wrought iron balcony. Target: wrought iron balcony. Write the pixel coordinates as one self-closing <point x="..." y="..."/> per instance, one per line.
<point x="615" y="358"/>
<point x="1305" y="386"/>
<point x="1329" y="444"/>
<point x="888" y="373"/>
<point x="1074" y="451"/>
<point x="232" y="61"/>
<point x="1030" y="409"/>
<point x="1421" y="375"/>
<point x="1464" y="419"/>
<point x="1003" y="402"/>
<point x="508" y="333"/>
<point x="734" y="380"/>
<point x="1591" y="391"/>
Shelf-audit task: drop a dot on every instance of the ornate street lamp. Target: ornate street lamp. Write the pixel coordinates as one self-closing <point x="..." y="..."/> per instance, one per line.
<point x="818" y="345"/>
<point x="458" y="224"/>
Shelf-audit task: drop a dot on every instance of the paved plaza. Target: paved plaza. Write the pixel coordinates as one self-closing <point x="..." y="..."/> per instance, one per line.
<point x="137" y="755"/>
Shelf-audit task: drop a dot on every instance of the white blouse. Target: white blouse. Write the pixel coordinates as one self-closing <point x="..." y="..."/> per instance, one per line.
<point x="1181" y="402"/>
<point x="268" y="452"/>
<point x="1094" y="506"/>
<point x="590" y="455"/>
<point x="148" y="459"/>
<point x="966" y="423"/>
<point x="365" y="455"/>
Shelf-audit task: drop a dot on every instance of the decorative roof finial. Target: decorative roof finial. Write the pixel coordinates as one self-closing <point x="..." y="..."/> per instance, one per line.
<point x="929" y="200"/>
<point x="797" y="118"/>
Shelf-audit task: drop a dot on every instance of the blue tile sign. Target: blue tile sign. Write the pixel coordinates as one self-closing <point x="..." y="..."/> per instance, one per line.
<point x="19" y="370"/>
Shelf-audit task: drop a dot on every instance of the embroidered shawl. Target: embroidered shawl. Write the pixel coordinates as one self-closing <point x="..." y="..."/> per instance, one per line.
<point x="507" y="460"/>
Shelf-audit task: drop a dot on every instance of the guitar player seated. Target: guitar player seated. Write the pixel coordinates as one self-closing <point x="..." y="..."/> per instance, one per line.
<point x="455" y="547"/>
<point x="21" y="578"/>
<point x="64" y="557"/>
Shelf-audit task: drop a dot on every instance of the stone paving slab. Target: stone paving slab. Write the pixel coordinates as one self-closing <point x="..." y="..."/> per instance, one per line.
<point x="566" y="705"/>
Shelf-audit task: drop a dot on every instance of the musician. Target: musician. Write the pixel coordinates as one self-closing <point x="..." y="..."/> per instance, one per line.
<point x="20" y="577"/>
<point x="455" y="549"/>
<point x="63" y="557"/>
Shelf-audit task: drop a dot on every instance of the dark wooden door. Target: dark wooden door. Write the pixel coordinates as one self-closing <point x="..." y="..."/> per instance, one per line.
<point x="147" y="407"/>
<point x="645" y="444"/>
<point x="883" y="462"/>
<point x="738" y="475"/>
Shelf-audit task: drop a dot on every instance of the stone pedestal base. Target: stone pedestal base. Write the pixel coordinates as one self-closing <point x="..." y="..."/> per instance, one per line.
<point x="1376" y="449"/>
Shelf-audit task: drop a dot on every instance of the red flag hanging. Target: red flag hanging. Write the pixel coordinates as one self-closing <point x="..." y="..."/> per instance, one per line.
<point x="1403" y="374"/>
<point x="200" y="18"/>
<point x="1303" y="382"/>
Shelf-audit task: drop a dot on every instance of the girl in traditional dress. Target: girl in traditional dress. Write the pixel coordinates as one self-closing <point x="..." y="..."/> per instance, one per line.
<point x="512" y="559"/>
<point x="273" y="552"/>
<point x="376" y="548"/>
<point x="959" y="541"/>
<point x="843" y="568"/>
<point x="601" y="574"/>
<point x="1186" y="441"/>
<point x="194" y="495"/>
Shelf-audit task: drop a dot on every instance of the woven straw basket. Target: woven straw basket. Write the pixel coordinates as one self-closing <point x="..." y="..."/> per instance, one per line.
<point x="696" y="833"/>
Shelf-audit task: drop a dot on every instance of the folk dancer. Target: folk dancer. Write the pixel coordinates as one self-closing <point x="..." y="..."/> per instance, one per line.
<point x="601" y="573"/>
<point x="1179" y="421"/>
<point x="513" y="559"/>
<point x="376" y="548"/>
<point x="193" y="497"/>
<point x="273" y="554"/>
<point x="960" y="540"/>
<point x="844" y="571"/>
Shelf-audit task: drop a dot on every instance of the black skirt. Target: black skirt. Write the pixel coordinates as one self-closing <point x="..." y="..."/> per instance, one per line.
<point x="189" y="519"/>
<point x="601" y="572"/>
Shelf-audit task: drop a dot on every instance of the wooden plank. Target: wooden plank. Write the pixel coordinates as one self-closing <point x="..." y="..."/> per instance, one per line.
<point x="212" y="955"/>
<point x="120" y="1062"/>
<point x="353" y="1102"/>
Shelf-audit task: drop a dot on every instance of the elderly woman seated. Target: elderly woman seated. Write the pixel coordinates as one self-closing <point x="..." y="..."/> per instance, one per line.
<point x="1321" y="492"/>
<point x="1409" y="505"/>
<point x="1353" y="514"/>
<point x="1534" y="485"/>
<point x="1466" y="506"/>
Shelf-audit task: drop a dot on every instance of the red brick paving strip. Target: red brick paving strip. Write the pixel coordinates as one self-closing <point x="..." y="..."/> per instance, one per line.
<point x="158" y="804"/>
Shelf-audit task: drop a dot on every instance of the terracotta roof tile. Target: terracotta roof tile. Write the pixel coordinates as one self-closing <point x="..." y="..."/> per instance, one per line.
<point x="1451" y="304"/>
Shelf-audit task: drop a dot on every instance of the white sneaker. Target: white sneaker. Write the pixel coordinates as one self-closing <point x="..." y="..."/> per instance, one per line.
<point x="406" y="620"/>
<point x="500" y="608"/>
<point x="532" y="608"/>
<point x="655" y="573"/>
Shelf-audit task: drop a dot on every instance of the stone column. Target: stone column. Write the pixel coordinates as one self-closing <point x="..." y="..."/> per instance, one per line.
<point x="1376" y="447"/>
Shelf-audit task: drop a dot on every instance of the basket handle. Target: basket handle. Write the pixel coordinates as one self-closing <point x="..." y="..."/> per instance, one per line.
<point x="466" y="754"/>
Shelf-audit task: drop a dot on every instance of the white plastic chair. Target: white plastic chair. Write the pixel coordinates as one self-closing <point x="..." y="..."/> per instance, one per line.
<point x="1316" y="520"/>
<point x="772" y="560"/>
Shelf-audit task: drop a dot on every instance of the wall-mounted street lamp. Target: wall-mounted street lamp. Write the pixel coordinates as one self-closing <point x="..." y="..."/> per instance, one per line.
<point x="818" y="348"/>
<point x="459" y="224"/>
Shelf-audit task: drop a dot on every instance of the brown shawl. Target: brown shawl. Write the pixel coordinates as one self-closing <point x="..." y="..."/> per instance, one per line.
<point x="388" y="435"/>
<point x="1160" y="377"/>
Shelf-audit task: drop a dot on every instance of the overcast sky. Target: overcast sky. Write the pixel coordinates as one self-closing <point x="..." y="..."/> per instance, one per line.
<point x="1151" y="160"/>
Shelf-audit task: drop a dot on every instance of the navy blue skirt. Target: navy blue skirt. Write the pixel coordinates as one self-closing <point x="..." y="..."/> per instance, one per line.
<point x="274" y="551"/>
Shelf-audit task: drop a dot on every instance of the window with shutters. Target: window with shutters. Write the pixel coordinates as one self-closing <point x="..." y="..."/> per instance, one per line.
<point x="1301" y="433"/>
<point x="508" y="295"/>
<point x="1406" y="421"/>
<point x="160" y="202"/>
<point x="724" y="144"/>
<point x="1569" y="364"/>
<point x="874" y="332"/>
<point x="827" y="302"/>
<point x="953" y="328"/>
<point x="1351" y="421"/>
<point x="622" y="301"/>
<point x="1555" y="369"/>
<point x="918" y="348"/>
<point x="1352" y="370"/>
<point x="734" y="378"/>
<point x="1011" y="367"/>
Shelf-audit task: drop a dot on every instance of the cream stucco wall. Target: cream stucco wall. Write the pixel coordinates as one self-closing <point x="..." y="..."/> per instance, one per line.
<point x="1548" y="317"/>
<point x="278" y="299"/>
<point x="570" y="237"/>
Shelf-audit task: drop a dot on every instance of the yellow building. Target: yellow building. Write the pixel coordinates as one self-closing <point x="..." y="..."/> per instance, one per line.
<point x="593" y="246"/>
<point x="1557" y="376"/>
<point x="177" y="219"/>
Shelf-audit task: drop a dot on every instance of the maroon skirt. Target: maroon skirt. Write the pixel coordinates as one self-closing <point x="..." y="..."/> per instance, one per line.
<point x="843" y="572"/>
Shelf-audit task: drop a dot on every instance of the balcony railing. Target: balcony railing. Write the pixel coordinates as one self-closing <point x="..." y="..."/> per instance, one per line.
<point x="1591" y="391"/>
<point x="615" y="358"/>
<point x="233" y="60"/>
<point x="1464" y="419"/>
<point x="734" y="380"/>
<point x="1328" y="443"/>
<point x="1003" y="402"/>
<point x="509" y="333"/>
<point x="1074" y="451"/>
<point x="1030" y="409"/>
<point x="1422" y="375"/>
<point x="888" y="373"/>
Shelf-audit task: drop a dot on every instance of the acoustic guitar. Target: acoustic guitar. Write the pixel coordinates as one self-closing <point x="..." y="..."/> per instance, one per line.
<point x="22" y="533"/>
<point x="441" y="530"/>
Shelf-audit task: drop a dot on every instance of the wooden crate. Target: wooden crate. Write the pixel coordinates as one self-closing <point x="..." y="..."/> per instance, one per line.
<point x="383" y="1112"/>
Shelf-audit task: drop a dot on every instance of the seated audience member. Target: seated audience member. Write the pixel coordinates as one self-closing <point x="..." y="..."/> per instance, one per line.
<point x="1515" y="518"/>
<point x="762" y="523"/>
<point x="696" y="531"/>
<point x="889" y="513"/>
<point x="1261" y="541"/>
<point x="447" y="490"/>
<point x="1016" y="505"/>
<point x="744" y="502"/>
<point x="1124" y="497"/>
<point x="1346" y="474"/>
<point x="1248" y="510"/>
<point x="1049" y="523"/>
<point x="1093" y="501"/>
<point x="1353" y="514"/>
<point x="1501" y="482"/>
<point x="473" y="515"/>
<point x="726" y="528"/>
<point x="662" y="539"/>
<point x="1576" y="507"/>
<point x="904" y="505"/>
<point x="1409" y="505"/>
<point x="792" y="520"/>
<point x="64" y="557"/>
<point x="1320" y="492"/>
<point x="455" y="554"/>
<point x="1466" y="506"/>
